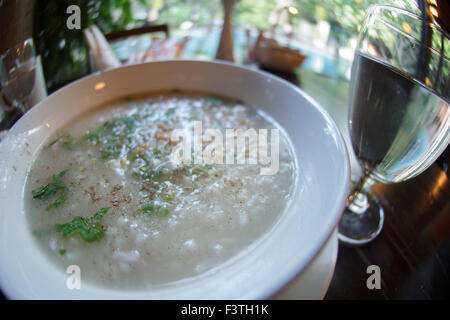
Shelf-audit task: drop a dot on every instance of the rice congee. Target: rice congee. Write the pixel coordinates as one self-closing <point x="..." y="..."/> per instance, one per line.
<point x="103" y="193"/>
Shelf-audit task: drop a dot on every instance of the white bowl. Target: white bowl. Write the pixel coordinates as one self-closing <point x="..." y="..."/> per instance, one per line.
<point x="257" y="272"/>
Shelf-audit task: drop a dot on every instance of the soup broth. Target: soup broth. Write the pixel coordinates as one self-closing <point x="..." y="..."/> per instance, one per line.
<point x="103" y="194"/>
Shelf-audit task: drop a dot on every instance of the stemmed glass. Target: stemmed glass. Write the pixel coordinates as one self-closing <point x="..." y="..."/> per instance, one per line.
<point x="17" y="75"/>
<point x="399" y="118"/>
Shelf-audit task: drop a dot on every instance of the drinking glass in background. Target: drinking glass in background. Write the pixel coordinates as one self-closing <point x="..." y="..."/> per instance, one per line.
<point x="399" y="117"/>
<point x="17" y="75"/>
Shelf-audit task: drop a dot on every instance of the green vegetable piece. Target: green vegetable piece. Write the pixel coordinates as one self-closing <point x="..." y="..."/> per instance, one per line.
<point x="68" y="142"/>
<point x="150" y="208"/>
<point x="169" y="197"/>
<point x="214" y="101"/>
<point x="201" y="170"/>
<point x="90" y="229"/>
<point x="56" y="187"/>
<point x="55" y="204"/>
<point x="163" y="211"/>
<point x="47" y="190"/>
<point x="193" y="116"/>
<point x="59" y="175"/>
<point x="95" y="136"/>
<point x="170" y="111"/>
<point x="48" y="145"/>
<point x="62" y="252"/>
<point x="161" y="171"/>
<point x="113" y="136"/>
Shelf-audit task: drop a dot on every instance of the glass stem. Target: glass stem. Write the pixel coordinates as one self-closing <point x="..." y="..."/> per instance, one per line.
<point x="357" y="201"/>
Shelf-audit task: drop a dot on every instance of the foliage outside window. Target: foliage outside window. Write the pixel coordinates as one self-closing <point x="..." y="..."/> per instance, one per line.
<point x="64" y="51"/>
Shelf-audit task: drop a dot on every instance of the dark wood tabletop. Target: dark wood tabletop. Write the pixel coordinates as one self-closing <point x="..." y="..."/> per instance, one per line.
<point x="412" y="251"/>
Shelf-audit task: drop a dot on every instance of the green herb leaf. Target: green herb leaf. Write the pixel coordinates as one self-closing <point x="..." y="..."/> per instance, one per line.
<point x="55" y="204"/>
<point x="170" y="111"/>
<point x="48" y="145"/>
<point x="95" y="136"/>
<point x="100" y="213"/>
<point x="68" y="142"/>
<point x="193" y="116"/>
<point x="44" y="191"/>
<point x="58" y="176"/>
<point x="62" y="252"/>
<point x="114" y="136"/>
<point x="201" y="170"/>
<point x="56" y="187"/>
<point x="169" y="196"/>
<point x="213" y="101"/>
<point x="150" y="208"/>
<point x="90" y="229"/>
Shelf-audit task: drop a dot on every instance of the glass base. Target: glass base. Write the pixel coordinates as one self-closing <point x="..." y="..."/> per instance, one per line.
<point x="358" y="228"/>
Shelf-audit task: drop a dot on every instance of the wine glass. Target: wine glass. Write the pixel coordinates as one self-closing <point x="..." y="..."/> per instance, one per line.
<point x="399" y="109"/>
<point x="17" y="75"/>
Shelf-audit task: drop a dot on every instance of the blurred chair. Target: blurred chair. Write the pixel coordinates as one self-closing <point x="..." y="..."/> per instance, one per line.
<point x="142" y="49"/>
<point x="101" y="53"/>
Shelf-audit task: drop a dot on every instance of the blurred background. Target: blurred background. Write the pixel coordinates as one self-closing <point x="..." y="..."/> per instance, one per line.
<point x="324" y="30"/>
